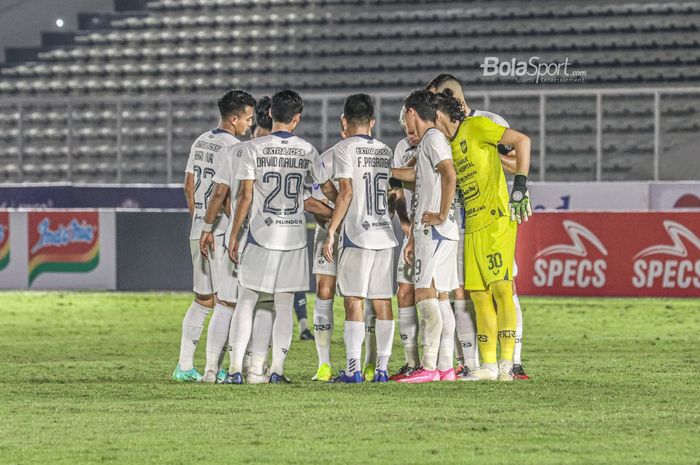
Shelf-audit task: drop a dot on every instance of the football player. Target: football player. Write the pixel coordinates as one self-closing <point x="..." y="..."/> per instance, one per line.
<point x="207" y="154"/>
<point x="433" y="240"/>
<point x="490" y="231"/>
<point x="361" y="166"/>
<point x="272" y="172"/>
<point x="467" y="348"/>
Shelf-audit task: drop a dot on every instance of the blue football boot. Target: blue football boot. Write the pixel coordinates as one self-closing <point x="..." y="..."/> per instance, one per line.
<point x="279" y="379"/>
<point x="233" y="378"/>
<point x="380" y="376"/>
<point x="355" y="378"/>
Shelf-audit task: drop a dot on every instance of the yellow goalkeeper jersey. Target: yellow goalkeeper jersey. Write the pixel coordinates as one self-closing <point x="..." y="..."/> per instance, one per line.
<point x="480" y="175"/>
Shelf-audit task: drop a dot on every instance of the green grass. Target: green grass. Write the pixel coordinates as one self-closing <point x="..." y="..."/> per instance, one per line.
<point x="85" y="379"/>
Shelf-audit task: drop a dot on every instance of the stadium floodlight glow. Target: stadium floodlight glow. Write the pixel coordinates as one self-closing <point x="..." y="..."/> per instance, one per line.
<point x="59" y="22"/>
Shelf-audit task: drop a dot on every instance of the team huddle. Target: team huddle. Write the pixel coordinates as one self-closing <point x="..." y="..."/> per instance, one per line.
<point x="444" y="183"/>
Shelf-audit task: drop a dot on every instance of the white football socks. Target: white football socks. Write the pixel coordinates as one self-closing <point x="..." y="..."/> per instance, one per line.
<point x="370" y="336"/>
<point x="282" y="330"/>
<point x="384" y="330"/>
<point x="518" y="331"/>
<point x="408" y="331"/>
<point x="241" y="327"/>
<point x="431" y="327"/>
<point x="192" y="326"/>
<point x="353" y="335"/>
<point x="217" y="335"/>
<point x="447" y="337"/>
<point x="323" y="329"/>
<point x="465" y="319"/>
<point x="260" y="340"/>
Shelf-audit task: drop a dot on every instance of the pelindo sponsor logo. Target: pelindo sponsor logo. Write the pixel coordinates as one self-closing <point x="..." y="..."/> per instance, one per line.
<point x="66" y="242"/>
<point x="532" y="71"/>
<point x="4" y="240"/>
<point x="669" y="265"/>
<point x="571" y="265"/>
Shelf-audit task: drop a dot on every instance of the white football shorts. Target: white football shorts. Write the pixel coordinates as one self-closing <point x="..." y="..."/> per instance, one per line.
<point x="404" y="270"/>
<point x="321" y="265"/>
<point x="435" y="261"/>
<point x="365" y="273"/>
<point x="266" y="270"/>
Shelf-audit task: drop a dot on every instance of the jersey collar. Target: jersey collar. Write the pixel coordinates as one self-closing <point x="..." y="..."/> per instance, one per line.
<point x="459" y="126"/>
<point x="220" y="131"/>
<point x="283" y="134"/>
<point x="363" y="136"/>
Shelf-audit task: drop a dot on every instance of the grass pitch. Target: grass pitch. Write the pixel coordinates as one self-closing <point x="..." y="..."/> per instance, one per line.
<point x="85" y="379"/>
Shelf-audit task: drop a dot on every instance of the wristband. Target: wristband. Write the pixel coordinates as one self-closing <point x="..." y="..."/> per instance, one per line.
<point x="207" y="227"/>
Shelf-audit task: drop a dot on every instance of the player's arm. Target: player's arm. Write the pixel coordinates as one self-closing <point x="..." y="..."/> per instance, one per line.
<point x="329" y="190"/>
<point x="243" y="202"/>
<point x="318" y="209"/>
<point x="520" y="208"/>
<point x="406" y="174"/>
<point x="188" y="187"/>
<point x="448" y="184"/>
<point x="397" y="203"/>
<point x="342" y="204"/>
<point x="217" y="199"/>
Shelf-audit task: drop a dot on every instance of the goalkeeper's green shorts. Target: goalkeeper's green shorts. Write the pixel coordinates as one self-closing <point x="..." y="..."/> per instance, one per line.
<point x="489" y="254"/>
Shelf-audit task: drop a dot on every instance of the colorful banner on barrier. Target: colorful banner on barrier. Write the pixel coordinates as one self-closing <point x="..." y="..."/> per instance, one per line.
<point x="610" y="254"/>
<point x="63" y="242"/>
<point x="4" y="240"/>
<point x="58" y="249"/>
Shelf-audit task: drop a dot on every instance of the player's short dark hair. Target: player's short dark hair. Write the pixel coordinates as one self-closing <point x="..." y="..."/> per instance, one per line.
<point x="262" y="113"/>
<point x="424" y="103"/>
<point x="358" y="108"/>
<point x="234" y="102"/>
<point x="441" y="79"/>
<point x="448" y="104"/>
<point x="285" y="105"/>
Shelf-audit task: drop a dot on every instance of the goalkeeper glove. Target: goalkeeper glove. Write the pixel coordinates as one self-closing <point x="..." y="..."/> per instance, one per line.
<point x="520" y="208"/>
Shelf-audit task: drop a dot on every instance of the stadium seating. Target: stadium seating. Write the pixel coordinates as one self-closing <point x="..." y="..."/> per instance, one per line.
<point x="125" y="85"/>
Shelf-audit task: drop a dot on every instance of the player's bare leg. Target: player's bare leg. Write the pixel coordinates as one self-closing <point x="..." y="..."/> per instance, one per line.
<point x="384" y="333"/>
<point x="431" y="328"/>
<point x="192" y="326"/>
<point x="217" y="340"/>
<point x="447" y="339"/>
<point x="323" y="324"/>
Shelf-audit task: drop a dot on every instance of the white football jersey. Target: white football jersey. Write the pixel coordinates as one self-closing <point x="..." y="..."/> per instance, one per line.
<point x="327" y="159"/>
<point x="496" y="118"/>
<point x="208" y="152"/>
<point x="279" y="164"/>
<point x="367" y="162"/>
<point x="226" y="174"/>
<point x="402" y="155"/>
<point x="432" y="149"/>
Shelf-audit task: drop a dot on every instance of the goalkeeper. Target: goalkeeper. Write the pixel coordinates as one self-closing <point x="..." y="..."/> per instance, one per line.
<point x="491" y="219"/>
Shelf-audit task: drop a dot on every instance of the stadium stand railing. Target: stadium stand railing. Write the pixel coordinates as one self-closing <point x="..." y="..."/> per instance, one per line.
<point x="577" y="134"/>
